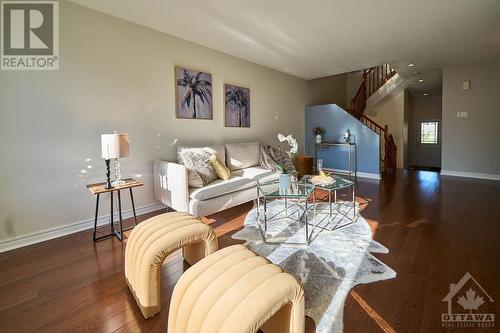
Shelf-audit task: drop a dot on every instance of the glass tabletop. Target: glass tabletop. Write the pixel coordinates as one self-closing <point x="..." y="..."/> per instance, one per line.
<point x="295" y="190"/>
<point x="338" y="182"/>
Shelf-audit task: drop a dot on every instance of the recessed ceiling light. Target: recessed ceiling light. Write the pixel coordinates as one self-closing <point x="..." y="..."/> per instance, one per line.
<point x="426" y="94"/>
<point x="411" y="65"/>
<point x="421" y="80"/>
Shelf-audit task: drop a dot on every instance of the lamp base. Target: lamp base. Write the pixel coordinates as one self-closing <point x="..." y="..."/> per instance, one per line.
<point x="108" y="180"/>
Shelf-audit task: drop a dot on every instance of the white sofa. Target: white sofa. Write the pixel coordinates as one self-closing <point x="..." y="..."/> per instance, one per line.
<point x="171" y="181"/>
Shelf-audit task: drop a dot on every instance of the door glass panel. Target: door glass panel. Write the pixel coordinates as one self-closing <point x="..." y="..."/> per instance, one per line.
<point x="429" y="131"/>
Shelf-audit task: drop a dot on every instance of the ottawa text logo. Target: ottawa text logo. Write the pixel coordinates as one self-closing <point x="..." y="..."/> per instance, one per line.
<point x="469" y="305"/>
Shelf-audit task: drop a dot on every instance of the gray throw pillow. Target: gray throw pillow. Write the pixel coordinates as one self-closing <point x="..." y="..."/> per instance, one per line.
<point x="266" y="161"/>
<point x="282" y="157"/>
<point x="200" y="170"/>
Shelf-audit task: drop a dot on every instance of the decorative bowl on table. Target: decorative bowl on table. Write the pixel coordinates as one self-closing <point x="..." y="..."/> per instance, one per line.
<point x="322" y="179"/>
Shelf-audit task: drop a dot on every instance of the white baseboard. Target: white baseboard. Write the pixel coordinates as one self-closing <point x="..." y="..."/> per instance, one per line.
<point x="470" y="174"/>
<point x="359" y="174"/>
<point x="43" y="235"/>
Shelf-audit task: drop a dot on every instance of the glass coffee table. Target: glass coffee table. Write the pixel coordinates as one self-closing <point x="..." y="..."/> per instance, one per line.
<point x="296" y="207"/>
<point x="346" y="209"/>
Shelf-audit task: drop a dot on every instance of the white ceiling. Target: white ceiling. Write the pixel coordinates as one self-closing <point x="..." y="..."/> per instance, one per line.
<point x="317" y="38"/>
<point x="431" y="83"/>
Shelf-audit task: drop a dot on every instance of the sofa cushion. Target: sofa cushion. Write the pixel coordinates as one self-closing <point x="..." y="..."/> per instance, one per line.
<point x="242" y="155"/>
<point x="221" y="187"/>
<point x="256" y="173"/>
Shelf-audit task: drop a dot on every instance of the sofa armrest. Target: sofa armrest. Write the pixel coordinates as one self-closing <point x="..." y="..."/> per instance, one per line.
<point x="171" y="185"/>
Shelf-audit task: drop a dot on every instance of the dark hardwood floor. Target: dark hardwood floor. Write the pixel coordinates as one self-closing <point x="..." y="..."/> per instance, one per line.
<point x="436" y="229"/>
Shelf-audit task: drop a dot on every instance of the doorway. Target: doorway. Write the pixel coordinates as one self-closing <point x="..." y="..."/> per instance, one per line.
<point x="428" y="149"/>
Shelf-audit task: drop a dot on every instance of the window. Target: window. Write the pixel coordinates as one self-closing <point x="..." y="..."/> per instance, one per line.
<point x="429" y="132"/>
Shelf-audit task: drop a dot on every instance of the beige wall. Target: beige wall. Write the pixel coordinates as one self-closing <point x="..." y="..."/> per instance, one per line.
<point x="406" y="122"/>
<point x="336" y="89"/>
<point x="329" y="90"/>
<point x="115" y="75"/>
<point x="391" y="112"/>
<point x="421" y="108"/>
<point x="472" y="144"/>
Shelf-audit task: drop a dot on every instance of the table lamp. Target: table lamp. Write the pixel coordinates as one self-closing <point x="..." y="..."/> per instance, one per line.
<point x="114" y="146"/>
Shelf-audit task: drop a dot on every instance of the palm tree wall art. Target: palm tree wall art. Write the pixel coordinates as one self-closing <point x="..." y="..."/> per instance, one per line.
<point x="193" y="94"/>
<point x="237" y="106"/>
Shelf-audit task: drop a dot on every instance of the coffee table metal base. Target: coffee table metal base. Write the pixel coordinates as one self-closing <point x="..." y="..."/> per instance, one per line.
<point x="301" y="209"/>
<point x="335" y="208"/>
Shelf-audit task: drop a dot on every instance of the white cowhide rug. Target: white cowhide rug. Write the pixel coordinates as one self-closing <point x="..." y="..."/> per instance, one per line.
<point x="332" y="264"/>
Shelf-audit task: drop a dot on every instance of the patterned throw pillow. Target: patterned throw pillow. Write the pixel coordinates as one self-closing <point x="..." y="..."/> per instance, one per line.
<point x="194" y="179"/>
<point x="200" y="170"/>
<point x="282" y="157"/>
<point x="266" y="161"/>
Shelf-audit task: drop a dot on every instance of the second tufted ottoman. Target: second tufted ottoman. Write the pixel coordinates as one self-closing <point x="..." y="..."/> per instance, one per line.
<point x="151" y="242"/>
<point x="235" y="290"/>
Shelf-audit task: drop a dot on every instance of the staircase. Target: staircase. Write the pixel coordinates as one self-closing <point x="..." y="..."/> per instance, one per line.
<point x="373" y="79"/>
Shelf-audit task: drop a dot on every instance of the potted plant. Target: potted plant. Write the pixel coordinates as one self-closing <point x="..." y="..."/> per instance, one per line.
<point x="318" y="133"/>
<point x="285" y="177"/>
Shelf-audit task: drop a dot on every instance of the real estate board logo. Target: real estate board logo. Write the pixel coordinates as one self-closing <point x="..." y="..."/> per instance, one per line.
<point x="469" y="305"/>
<point x="30" y="35"/>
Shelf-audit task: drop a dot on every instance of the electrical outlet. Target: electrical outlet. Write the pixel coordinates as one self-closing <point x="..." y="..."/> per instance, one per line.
<point x="462" y="114"/>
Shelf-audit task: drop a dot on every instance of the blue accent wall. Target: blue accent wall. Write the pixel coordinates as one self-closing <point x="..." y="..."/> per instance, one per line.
<point x="335" y="121"/>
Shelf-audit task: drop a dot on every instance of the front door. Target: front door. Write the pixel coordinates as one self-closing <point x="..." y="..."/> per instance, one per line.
<point x="428" y="143"/>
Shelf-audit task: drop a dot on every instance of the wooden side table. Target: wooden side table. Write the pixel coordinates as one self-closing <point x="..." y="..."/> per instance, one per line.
<point x="304" y="165"/>
<point x="98" y="189"/>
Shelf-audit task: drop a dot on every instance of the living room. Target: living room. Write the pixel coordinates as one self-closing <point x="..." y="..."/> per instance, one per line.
<point x="380" y="234"/>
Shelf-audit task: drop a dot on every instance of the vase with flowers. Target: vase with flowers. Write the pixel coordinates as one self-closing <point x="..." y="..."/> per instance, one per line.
<point x="318" y="133"/>
<point x="285" y="177"/>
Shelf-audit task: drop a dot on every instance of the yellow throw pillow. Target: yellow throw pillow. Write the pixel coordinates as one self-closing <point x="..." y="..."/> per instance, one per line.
<point x="221" y="170"/>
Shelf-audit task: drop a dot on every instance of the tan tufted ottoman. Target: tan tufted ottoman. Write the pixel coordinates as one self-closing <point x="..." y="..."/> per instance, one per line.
<point x="151" y="242"/>
<point x="236" y="291"/>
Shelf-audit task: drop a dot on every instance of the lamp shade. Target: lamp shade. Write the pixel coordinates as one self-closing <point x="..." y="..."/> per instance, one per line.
<point x="114" y="145"/>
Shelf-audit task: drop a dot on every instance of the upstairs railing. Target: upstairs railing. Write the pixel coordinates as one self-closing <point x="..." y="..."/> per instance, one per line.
<point x="376" y="77"/>
<point x="373" y="79"/>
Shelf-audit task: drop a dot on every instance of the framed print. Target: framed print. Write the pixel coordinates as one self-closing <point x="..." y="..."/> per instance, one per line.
<point x="236" y="106"/>
<point x="193" y="94"/>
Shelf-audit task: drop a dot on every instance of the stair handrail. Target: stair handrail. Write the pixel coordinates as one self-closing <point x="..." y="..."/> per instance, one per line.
<point x="374" y="78"/>
<point x="373" y="125"/>
<point x="358" y="103"/>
